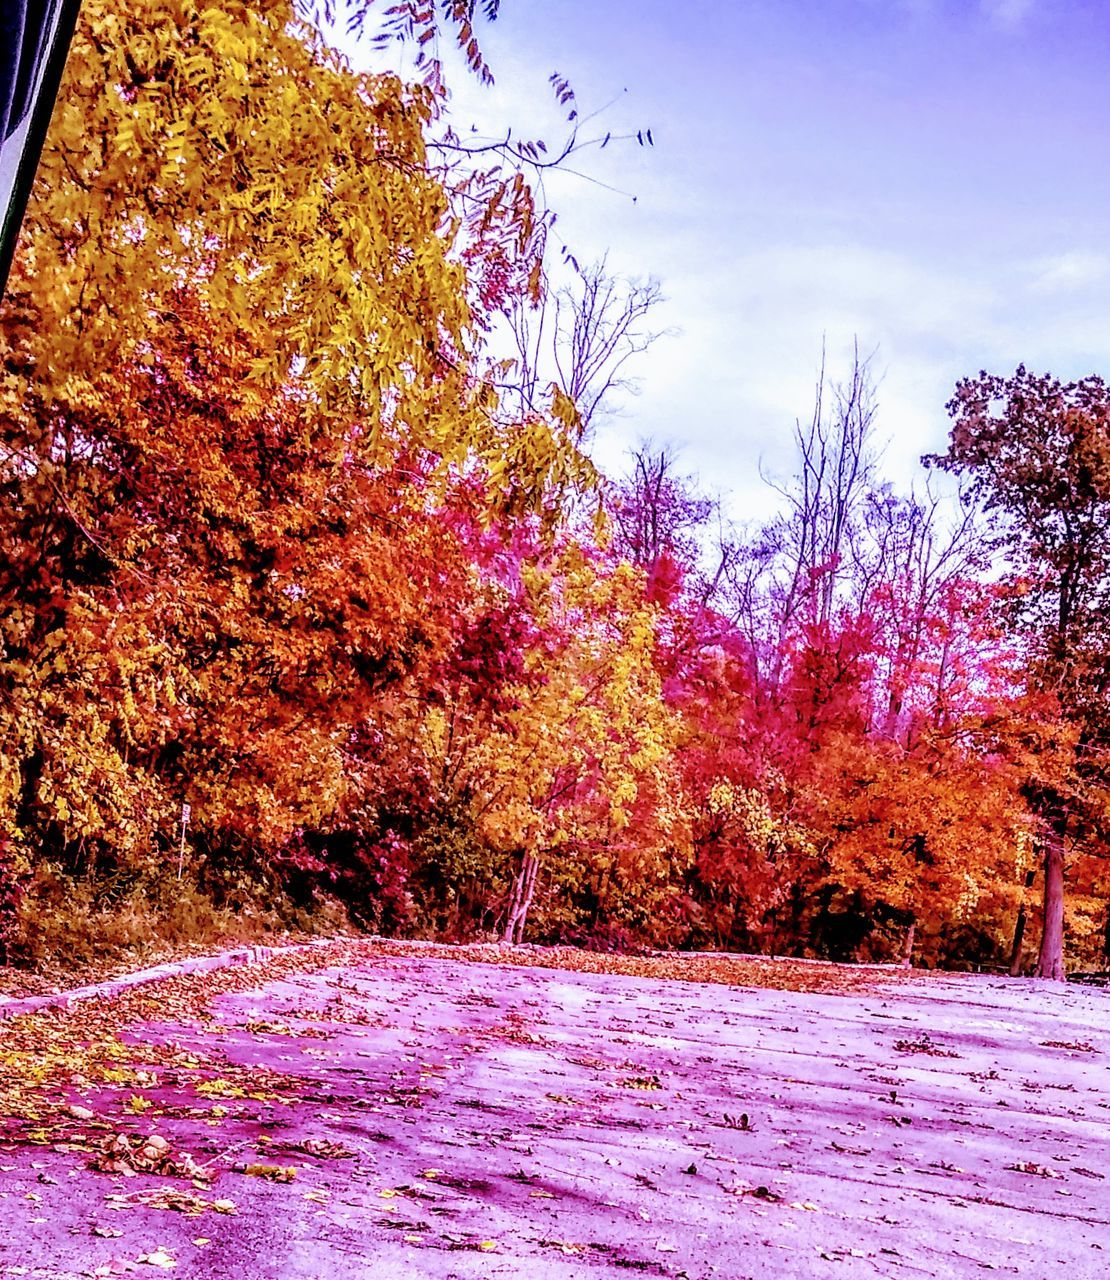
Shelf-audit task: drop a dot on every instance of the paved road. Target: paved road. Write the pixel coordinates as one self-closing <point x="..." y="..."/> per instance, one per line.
<point x="456" y="1121"/>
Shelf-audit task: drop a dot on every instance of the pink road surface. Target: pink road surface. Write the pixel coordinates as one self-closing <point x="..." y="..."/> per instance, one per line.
<point x="472" y="1120"/>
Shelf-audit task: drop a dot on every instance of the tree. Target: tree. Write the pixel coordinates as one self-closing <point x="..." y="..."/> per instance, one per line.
<point x="566" y="775"/>
<point x="231" y="150"/>
<point x="835" y="465"/>
<point x="871" y="659"/>
<point x="582" y="336"/>
<point x="658" y="513"/>
<point x="239" y="382"/>
<point x="204" y="596"/>
<point x="916" y="570"/>
<point x="789" y="575"/>
<point x="1037" y="452"/>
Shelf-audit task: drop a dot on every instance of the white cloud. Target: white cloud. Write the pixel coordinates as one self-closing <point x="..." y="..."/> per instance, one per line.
<point x="1070" y="272"/>
<point x="772" y="221"/>
<point x="1009" y="14"/>
<point x="743" y="367"/>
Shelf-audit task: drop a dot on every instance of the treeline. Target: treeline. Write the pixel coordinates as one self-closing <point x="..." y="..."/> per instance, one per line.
<point x="894" y="707"/>
<point x="305" y="600"/>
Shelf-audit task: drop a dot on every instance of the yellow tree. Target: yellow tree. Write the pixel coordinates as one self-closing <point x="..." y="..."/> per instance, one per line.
<point x="575" y="783"/>
<point x="229" y="147"/>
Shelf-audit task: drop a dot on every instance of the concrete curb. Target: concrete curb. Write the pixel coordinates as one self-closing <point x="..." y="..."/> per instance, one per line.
<point x="238" y="956"/>
<point x="112" y="987"/>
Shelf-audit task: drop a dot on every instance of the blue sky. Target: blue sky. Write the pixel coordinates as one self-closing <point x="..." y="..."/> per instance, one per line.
<point x="930" y="175"/>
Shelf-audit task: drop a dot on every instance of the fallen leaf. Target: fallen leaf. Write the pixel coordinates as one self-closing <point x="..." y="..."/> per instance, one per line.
<point x="158" y="1258"/>
<point x="1038" y="1170"/>
<point x="272" y="1172"/>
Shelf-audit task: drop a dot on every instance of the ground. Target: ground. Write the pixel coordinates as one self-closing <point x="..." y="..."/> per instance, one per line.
<point x="379" y="1112"/>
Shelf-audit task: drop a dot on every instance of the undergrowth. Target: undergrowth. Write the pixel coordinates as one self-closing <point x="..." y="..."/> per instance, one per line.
<point x="64" y="924"/>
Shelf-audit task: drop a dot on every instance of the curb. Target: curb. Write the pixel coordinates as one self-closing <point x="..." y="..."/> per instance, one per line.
<point x="112" y="987"/>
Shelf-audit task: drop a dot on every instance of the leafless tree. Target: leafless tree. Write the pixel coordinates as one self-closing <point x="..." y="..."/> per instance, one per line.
<point x="792" y="571"/>
<point x="836" y="463"/>
<point x="908" y="552"/>
<point x="583" y="336"/>
<point x="656" y="510"/>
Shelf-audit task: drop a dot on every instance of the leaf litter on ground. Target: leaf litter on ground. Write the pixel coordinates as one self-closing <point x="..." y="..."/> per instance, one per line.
<point x="81" y="1081"/>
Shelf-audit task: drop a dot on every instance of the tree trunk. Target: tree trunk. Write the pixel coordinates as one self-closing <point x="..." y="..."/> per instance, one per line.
<point x="512" y="913"/>
<point x="907" y="945"/>
<point x="524" y="886"/>
<point x="1050" y="963"/>
<point x="531" y="869"/>
<point x="1019" y="929"/>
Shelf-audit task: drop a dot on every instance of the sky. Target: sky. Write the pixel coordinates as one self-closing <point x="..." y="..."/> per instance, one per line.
<point x="929" y="176"/>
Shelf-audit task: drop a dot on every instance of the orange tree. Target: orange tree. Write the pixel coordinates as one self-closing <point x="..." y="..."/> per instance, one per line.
<point x="1038" y="452"/>
<point x="238" y="370"/>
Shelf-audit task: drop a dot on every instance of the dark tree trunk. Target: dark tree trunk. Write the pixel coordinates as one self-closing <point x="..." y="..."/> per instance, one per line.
<point x="1050" y="963"/>
<point x="1019" y="929"/>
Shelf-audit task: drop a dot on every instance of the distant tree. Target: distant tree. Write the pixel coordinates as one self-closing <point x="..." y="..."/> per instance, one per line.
<point x="582" y="336"/>
<point x="836" y="462"/>
<point x="657" y="511"/>
<point x="918" y="574"/>
<point x="871" y="661"/>
<point x="1037" y="452"/>
<point x="790" y="574"/>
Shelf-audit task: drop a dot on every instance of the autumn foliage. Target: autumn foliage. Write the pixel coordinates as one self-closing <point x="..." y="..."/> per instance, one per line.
<point x="295" y="609"/>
